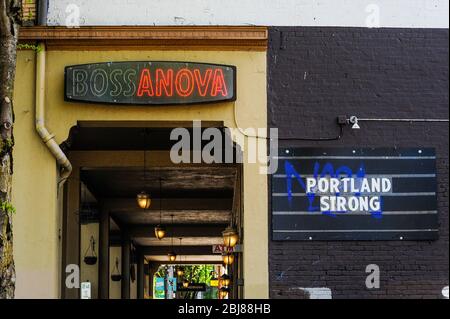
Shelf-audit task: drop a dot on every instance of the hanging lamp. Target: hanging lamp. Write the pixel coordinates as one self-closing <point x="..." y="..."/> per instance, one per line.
<point x="180" y="272"/>
<point x="143" y="198"/>
<point x="172" y="255"/>
<point x="180" y="269"/>
<point x="160" y="231"/>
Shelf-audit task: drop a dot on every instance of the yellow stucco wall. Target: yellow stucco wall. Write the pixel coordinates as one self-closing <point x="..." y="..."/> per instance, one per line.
<point x="36" y="223"/>
<point x="35" y="190"/>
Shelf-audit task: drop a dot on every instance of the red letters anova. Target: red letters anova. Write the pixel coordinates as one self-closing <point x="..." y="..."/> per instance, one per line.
<point x="182" y="83"/>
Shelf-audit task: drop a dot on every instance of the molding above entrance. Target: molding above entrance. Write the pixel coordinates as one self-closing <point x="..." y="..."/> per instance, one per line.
<point x="155" y="38"/>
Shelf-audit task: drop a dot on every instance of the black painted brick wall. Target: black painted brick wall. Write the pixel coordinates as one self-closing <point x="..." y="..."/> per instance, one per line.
<point x="316" y="74"/>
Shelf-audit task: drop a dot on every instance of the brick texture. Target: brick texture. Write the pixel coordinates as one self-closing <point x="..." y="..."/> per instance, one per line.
<point x="316" y="74"/>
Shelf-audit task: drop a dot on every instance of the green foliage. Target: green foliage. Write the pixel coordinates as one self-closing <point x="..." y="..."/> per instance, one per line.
<point x="161" y="272"/>
<point x="199" y="273"/>
<point x="196" y="273"/>
<point x="8" y="143"/>
<point x="7" y="207"/>
<point x="27" y="46"/>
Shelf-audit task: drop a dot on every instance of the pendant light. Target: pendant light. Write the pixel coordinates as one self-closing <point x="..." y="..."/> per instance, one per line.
<point x="160" y="231"/>
<point x="172" y="255"/>
<point x="185" y="283"/>
<point x="143" y="198"/>
<point x="180" y="269"/>
<point x="180" y="272"/>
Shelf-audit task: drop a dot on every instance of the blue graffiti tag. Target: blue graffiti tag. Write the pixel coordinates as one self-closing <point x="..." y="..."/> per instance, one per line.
<point x="327" y="170"/>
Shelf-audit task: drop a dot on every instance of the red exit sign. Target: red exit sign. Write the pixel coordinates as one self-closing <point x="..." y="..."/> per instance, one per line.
<point x="150" y="83"/>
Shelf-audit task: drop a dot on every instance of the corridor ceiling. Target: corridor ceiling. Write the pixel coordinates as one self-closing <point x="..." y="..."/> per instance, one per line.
<point x="200" y="197"/>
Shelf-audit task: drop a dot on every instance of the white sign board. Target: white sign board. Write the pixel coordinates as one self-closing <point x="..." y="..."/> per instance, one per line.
<point x="221" y="249"/>
<point x="85" y="290"/>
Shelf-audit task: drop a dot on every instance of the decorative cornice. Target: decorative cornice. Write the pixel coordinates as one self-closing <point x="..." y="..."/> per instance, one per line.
<point x="137" y="37"/>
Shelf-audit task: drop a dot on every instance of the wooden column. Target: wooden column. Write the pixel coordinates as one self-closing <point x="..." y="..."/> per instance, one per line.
<point x="71" y="232"/>
<point x="103" y="269"/>
<point x="140" y="273"/>
<point x="126" y="259"/>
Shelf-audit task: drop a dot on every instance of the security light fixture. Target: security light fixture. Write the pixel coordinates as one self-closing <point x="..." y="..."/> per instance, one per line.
<point x="354" y="121"/>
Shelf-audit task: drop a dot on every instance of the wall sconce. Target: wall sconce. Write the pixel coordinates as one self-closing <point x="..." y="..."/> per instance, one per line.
<point x="230" y="237"/>
<point x="92" y="258"/>
<point x="223" y="292"/>
<point x="228" y="259"/>
<point x="116" y="276"/>
<point x="225" y="280"/>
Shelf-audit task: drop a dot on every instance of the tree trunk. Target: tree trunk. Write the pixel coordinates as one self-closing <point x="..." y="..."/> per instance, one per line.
<point x="9" y="28"/>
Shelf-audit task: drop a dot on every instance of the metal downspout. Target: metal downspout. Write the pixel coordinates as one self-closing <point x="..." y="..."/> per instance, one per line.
<point x="42" y="12"/>
<point x="46" y="136"/>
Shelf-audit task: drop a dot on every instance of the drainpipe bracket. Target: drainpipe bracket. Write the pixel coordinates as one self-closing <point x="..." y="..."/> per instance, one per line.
<point x="48" y="138"/>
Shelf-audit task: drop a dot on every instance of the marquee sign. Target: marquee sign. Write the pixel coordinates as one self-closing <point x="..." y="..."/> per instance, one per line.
<point x="355" y="194"/>
<point x="150" y="83"/>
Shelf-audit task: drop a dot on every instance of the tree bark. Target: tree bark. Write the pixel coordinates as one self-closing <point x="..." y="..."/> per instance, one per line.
<point x="10" y="19"/>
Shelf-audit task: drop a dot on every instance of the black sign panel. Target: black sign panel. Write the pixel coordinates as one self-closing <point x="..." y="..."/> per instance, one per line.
<point x="192" y="287"/>
<point x="150" y="83"/>
<point x="355" y="194"/>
